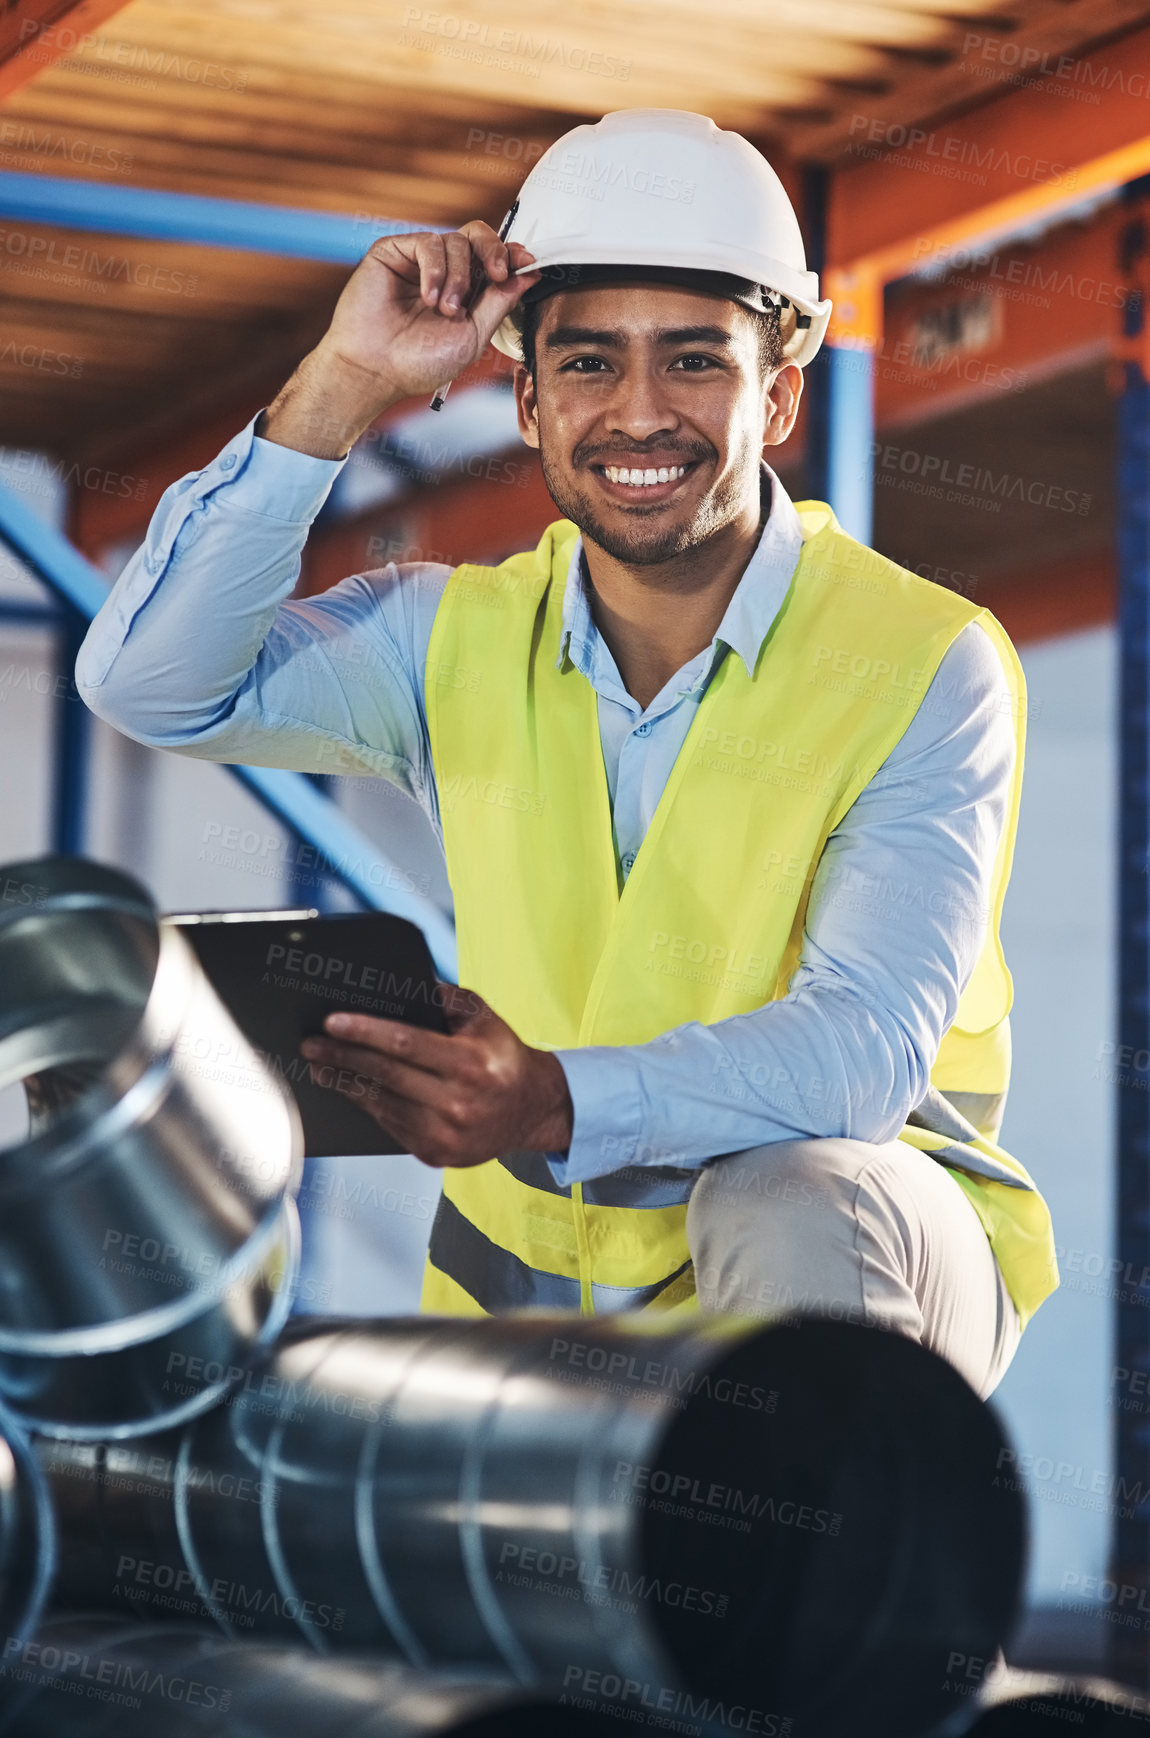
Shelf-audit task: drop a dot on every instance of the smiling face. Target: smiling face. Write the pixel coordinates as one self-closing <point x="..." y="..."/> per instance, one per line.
<point x="650" y="408"/>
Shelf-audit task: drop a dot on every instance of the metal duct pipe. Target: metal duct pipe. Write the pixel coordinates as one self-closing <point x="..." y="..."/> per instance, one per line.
<point x="96" y="1679"/>
<point x="27" y="1534"/>
<point x="148" y="1238"/>
<point x="805" y="1520"/>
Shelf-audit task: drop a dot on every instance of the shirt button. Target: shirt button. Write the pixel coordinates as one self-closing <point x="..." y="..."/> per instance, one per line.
<point x="227" y="463"/>
<point x="629" y="861"/>
<point x="642" y="730"/>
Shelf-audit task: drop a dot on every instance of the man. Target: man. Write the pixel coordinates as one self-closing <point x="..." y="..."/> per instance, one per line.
<point x="727" y="801"/>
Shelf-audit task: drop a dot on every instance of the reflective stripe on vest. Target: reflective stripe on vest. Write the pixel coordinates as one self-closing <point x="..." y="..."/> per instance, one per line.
<point x="709" y="923"/>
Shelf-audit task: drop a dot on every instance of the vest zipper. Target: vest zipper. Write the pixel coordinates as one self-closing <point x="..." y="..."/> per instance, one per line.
<point x="582" y="1243"/>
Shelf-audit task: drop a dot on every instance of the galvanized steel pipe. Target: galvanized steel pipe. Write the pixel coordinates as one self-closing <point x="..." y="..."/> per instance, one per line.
<point x="97" y="1678"/>
<point x="148" y="1235"/>
<point x="807" y="1519"/>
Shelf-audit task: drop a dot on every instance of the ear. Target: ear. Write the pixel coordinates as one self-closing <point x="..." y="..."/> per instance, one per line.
<point x="526" y="407"/>
<point x="781" y="405"/>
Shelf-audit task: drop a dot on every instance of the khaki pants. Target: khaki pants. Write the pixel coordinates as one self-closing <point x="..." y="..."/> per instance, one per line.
<point x="877" y="1234"/>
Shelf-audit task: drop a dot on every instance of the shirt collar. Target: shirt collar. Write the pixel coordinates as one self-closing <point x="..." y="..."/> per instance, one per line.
<point x="756" y="601"/>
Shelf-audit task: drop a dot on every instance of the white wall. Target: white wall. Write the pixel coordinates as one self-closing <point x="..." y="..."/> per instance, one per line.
<point x="1059" y="938"/>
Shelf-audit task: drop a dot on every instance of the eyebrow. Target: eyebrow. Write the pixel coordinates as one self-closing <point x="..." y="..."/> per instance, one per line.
<point x="564" y="336"/>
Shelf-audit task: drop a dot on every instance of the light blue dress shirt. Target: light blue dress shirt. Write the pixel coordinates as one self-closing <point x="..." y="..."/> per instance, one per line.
<point x="200" y="651"/>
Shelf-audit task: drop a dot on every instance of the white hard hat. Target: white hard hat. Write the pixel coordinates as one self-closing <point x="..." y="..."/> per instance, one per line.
<point x="665" y="188"/>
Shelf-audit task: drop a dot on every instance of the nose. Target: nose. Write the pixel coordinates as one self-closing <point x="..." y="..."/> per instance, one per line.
<point x="639" y="406"/>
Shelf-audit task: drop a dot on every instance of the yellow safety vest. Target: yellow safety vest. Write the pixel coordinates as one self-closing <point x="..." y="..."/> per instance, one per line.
<point x="709" y="923"/>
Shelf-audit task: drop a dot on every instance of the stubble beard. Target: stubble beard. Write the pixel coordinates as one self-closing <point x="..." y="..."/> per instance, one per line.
<point x="647" y="544"/>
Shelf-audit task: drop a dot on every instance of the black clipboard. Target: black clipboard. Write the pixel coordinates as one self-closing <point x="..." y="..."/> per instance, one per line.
<point x="280" y="973"/>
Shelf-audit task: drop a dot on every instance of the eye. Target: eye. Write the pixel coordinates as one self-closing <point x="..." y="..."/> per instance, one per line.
<point x="576" y="365"/>
<point x="696" y="364"/>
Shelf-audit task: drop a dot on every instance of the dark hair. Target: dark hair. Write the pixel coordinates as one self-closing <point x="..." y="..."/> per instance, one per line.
<point x="766" y="324"/>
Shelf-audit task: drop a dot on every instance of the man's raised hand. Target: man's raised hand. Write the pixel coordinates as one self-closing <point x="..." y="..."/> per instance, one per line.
<point x="402" y="326"/>
<point x="403" y="316"/>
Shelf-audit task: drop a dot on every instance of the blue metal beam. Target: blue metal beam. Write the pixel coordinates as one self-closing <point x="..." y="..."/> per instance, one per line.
<point x="70" y="791"/>
<point x="340" y="848"/>
<point x="1129" y="1649"/>
<point x="840" y="409"/>
<point x="308" y="882"/>
<point x="850" y="439"/>
<point x="28" y="615"/>
<point x="50" y="555"/>
<point x="195" y="219"/>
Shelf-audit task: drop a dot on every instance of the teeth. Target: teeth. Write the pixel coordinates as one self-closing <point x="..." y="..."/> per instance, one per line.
<point x="644" y="479"/>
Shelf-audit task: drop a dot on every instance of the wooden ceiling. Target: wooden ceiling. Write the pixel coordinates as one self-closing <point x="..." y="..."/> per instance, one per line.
<point x="394" y="109"/>
<point x="390" y="105"/>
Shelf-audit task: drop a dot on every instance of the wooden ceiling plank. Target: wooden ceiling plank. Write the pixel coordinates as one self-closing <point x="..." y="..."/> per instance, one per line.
<point x="390" y="54"/>
<point x="840" y="21"/>
<point x="94" y="147"/>
<point x="354" y="105"/>
<point x="69" y="98"/>
<point x="787" y="41"/>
